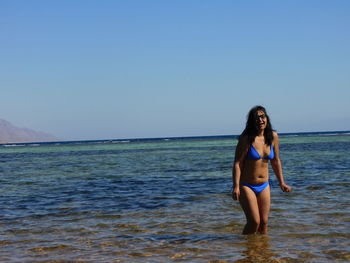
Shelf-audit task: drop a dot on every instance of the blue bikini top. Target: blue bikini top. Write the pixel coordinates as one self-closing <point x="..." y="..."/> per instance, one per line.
<point x="254" y="155"/>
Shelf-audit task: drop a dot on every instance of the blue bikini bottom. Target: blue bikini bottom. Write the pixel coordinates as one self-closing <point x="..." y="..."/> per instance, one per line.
<point x="257" y="188"/>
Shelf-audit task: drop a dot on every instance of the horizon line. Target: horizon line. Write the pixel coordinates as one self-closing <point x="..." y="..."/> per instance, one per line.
<point x="169" y="138"/>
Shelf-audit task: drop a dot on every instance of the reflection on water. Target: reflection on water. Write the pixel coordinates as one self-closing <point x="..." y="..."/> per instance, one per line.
<point x="257" y="248"/>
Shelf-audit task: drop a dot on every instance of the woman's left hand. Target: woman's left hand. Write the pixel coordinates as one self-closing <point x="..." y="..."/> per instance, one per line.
<point x="285" y="188"/>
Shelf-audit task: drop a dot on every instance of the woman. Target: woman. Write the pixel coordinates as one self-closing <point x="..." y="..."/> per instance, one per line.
<point x="257" y="144"/>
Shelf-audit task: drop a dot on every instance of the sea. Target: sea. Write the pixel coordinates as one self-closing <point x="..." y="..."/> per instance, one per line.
<point x="169" y="200"/>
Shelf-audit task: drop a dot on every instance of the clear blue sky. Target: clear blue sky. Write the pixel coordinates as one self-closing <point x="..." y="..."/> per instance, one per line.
<point x="127" y="69"/>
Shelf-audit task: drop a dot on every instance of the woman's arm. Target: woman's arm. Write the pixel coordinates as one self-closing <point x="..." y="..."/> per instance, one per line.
<point x="277" y="166"/>
<point x="241" y="150"/>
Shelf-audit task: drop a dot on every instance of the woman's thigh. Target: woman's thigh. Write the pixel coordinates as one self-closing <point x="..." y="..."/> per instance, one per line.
<point x="264" y="204"/>
<point x="249" y="203"/>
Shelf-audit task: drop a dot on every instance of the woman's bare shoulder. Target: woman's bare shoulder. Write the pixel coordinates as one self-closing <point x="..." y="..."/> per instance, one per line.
<point x="275" y="138"/>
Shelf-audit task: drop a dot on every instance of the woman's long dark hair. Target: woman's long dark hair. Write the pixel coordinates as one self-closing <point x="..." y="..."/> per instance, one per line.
<point x="252" y="127"/>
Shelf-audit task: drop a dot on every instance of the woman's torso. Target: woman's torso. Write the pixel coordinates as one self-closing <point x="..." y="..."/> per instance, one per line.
<point x="255" y="167"/>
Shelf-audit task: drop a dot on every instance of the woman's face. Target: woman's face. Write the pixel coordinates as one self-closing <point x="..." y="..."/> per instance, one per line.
<point x="261" y="120"/>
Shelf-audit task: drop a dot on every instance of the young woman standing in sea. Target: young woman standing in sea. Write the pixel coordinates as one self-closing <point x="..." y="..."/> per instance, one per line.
<point x="257" y="144"/>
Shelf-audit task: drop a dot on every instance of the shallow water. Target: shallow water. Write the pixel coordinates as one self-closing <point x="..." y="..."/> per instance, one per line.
<point x="169" y="201"/>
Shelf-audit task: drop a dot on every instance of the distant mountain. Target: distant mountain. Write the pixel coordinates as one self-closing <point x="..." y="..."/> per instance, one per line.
<point x="11" y="133"/>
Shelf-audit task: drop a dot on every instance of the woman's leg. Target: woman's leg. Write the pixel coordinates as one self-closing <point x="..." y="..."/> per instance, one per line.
<point x="264" y="209"/>
<point x="249" y="204"/>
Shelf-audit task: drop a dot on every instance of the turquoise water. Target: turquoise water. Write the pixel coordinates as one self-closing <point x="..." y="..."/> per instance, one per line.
<point x="169" y="201"/>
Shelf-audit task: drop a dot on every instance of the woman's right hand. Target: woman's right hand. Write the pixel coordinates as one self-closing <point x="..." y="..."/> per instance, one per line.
<point x="235" y="193"/>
